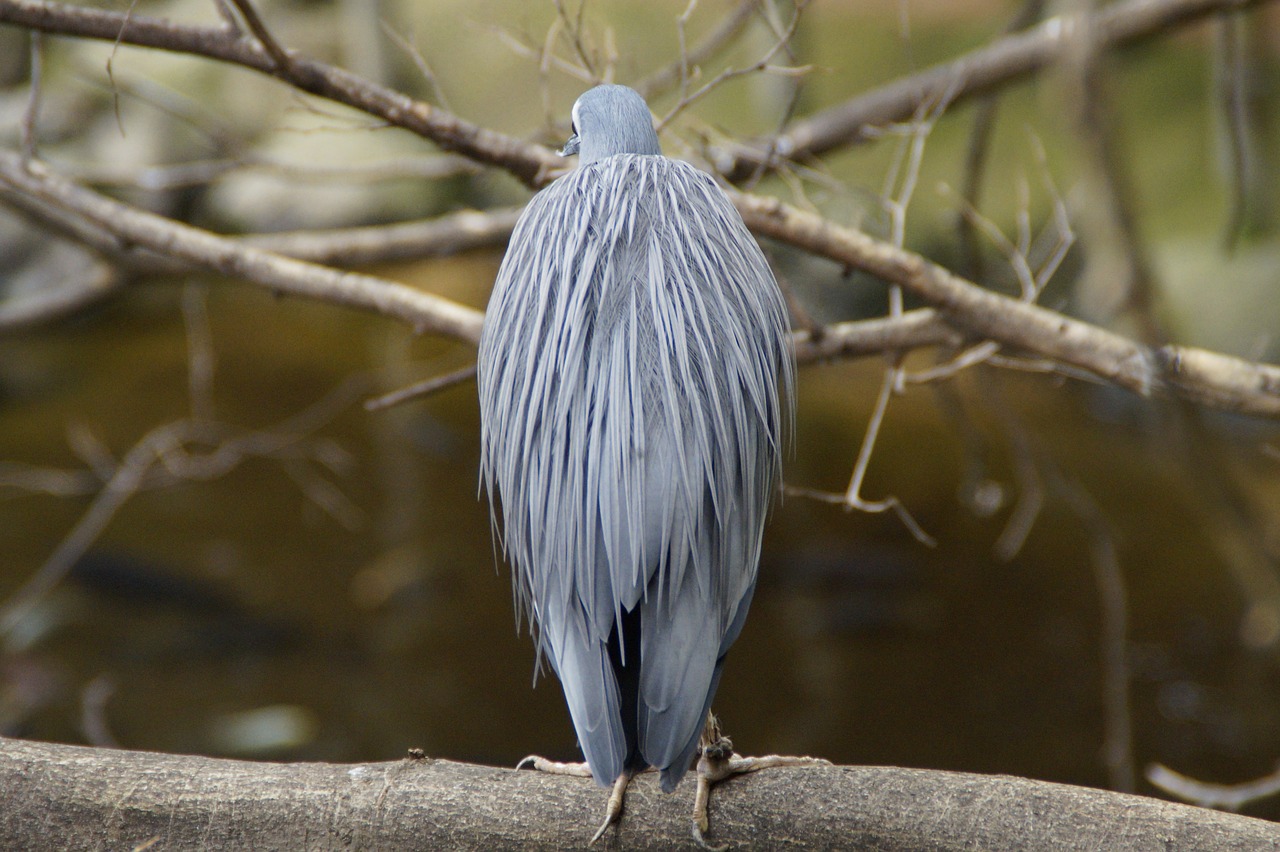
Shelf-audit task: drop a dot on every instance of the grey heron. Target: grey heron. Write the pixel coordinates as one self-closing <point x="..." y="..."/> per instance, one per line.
<point x="635" y="385"/>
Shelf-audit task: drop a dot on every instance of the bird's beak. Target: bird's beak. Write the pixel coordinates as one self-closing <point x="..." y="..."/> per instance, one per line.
<point x="571" y="147"/>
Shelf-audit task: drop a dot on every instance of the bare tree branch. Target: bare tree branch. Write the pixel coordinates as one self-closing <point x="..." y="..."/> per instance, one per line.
<point x="1205" y="377"/>
<point x="530" y="163"/>
<point x="913" y="330"/>
<point x="448" y="234"/>
<point x="1210" y="378"/>
<point x="259" y="29"/>
<point x="69" y="296"/>
<point x="75" y="798"/>
<point x="421" y="389"/>
<point x="725" y="33"/>
<point x="189" y="449"/>
<point x="423" y="311"/>
<point x="999" y="63"/>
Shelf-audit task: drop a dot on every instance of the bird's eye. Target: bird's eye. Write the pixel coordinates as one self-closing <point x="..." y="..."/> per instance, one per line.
<point x="573" y="128"/>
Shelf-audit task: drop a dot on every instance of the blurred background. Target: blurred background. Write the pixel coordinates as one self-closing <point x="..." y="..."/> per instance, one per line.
<point x="1104" y="591"/>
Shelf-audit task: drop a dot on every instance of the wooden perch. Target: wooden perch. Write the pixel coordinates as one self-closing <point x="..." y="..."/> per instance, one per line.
<point x="71" y="798"/>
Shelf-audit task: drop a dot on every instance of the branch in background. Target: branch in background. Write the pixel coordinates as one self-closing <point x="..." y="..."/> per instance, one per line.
<point x="204" y="250"/>
<point x="1243" y="103"/>
<point x="421" y="389"/>
<point x="781" y="42"/>
<point x="1003" y="62"/>
<point x="362" y="246"/>
<point x="1118" y="280"/>
<point x="1040" y="475"/>
<point x="192" y="449"/>
<point x="279" y="57"/>
<point x="1000" y="63"/>
<point x="975" y="162"/>
<point x="402" y="241"/>
<point x="72" y="294"/>
<point x="451" y="233"/>
<point x="69" y="213"/>
<point x="418" y="239"/>
<point x="530" y="163"/>
<point x="1209" y="378"/>
<point x="913" y="330"/>
<point x="201" y="172"/>
<point x="723" y="36"/>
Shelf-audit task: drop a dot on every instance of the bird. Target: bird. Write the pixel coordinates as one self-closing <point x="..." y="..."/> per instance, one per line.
<point x="636" y="389"/>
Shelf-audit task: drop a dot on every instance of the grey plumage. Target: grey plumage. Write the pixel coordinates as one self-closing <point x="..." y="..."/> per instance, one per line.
<point x="635" y="380"/>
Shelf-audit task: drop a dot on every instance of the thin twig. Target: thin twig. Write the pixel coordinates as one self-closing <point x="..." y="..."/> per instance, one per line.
<point x="1117" y="747"/>
<point x="227" y="15"/>
<point x="1109" y="222"/>
<point x="978" y="148"/>
<point x="851" y="499"/>
<point x="31" y="115"/>
<point x="1231" y="89"/>
<point x="899" y="188"/>
<point x="93" y="712"/>
<point x="572" y="31"/>
<point x="419" y="61"/>
<point x="687" y="98"/>
<point x="1000" y="63"/>
<point x="182" y="450"/>
<point x="279" y="56"/>
<point x="127" y="479"/>
<point x="201" y="358"/>
<point x="543" y="54"/>
<point x="1030" y="485"/>
<point x="530" y="163"/>
<point x="424" y="388"/>
<point x="726" y="32"/>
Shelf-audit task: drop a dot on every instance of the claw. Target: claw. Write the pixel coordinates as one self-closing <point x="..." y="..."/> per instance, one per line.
<point x="613" y="811"/>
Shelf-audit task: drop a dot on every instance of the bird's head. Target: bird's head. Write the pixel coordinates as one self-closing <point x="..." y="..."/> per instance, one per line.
<point x="609" y="120"/>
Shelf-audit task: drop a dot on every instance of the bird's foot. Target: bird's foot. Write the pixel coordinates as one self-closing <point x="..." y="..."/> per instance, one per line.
<point x="617" y="796"/>
<point x="718" y="761"/>
<point x="552" y="767"/>
<point x="613" y="810"/>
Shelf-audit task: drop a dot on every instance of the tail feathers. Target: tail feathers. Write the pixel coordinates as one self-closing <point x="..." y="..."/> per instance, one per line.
<point x="591" y="691"/>
<point x="678" y="675"/>
<point x="679" y="766"/>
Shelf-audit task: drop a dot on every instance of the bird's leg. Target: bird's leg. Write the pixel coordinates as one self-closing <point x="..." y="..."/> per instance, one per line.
<point x="718" y="761"/>
<point x="613" y="810"/>
<point x="617" y="796"/>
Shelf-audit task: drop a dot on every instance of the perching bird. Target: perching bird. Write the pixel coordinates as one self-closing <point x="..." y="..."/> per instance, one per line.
<point x="635" y="380"/>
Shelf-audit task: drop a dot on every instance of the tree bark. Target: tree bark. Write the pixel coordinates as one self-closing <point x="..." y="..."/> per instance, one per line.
<point x="72" y="798"/>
